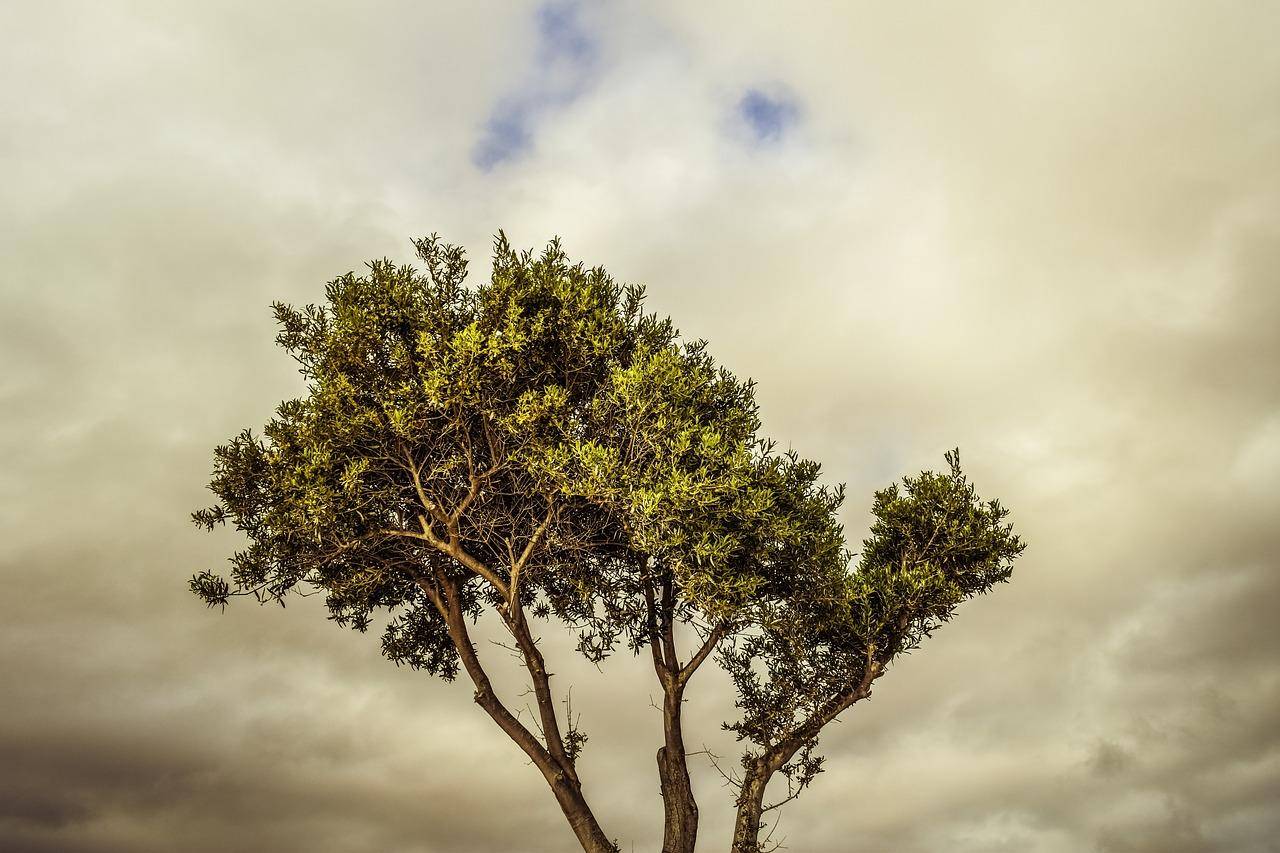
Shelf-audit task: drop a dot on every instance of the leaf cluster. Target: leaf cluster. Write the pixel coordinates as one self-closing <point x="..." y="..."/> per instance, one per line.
<point x="934" y="544"/>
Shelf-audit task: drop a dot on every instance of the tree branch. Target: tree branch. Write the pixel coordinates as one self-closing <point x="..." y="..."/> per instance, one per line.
<point x="651" y="617"/>
<point x="780" y="753"/>
<point x="717" y="634"/>
<point x="415" y="470"/>
<point x="517" y="565"/>
<point x="541" y="679"/>
<point x="455" y="550"/>
<point x="485" y="696"/>
<point x="668" y="605"/>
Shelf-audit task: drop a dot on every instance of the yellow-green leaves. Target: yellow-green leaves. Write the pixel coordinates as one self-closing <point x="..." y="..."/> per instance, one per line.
<point x="539" y="406"/>
<point x="351" y="474"/>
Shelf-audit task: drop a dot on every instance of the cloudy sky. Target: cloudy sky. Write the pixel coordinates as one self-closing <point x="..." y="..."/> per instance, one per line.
<point x="1047" y="233"/>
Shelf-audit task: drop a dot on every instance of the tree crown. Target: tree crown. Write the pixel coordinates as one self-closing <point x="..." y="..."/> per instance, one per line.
<point x="563" y="442"/>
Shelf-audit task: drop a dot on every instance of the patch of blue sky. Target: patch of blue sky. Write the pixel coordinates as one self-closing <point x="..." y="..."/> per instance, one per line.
<point x="767" y="118"/>
<point x="507" y="135"/>
<point x="564" y="65"/>
<point x="562" y="36"/>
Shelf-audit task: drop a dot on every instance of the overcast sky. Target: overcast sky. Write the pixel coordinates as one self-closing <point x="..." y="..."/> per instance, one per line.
<point x="1048" y="233"/>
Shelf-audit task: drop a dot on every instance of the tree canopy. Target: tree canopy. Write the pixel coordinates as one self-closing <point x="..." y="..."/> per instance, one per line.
<point x="539" y="447"/>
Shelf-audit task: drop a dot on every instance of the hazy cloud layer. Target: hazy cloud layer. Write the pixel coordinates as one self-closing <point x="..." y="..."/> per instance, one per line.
<point x="1046" y="233"/>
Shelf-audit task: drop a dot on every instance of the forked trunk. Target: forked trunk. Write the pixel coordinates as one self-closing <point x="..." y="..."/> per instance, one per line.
<point x="556" y="769"/>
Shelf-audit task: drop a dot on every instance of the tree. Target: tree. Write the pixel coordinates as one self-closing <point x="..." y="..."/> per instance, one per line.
<point x="539" y="448"/>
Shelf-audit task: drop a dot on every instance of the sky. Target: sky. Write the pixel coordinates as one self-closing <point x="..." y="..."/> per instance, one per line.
<point x="1046" y="233"/>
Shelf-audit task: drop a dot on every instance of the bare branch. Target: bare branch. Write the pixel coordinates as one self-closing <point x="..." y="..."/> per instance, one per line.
<point x="456" y="551"/>
<point x="651" y="615"/>
<point x="415" y="470"/>
<point x="717" y="634"/>
<point x="520" y="562"/>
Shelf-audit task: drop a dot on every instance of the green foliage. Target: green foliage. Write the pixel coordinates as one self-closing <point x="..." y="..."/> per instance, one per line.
<point x="544" y="398"/>
<point x="934" y="544"/>
<point x="426" y="400"/>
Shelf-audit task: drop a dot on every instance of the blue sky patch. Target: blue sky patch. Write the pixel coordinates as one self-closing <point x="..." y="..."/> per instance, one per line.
<point x="507" y="135"/>
<point x="768" y="118"/>
<point x="564" y="65"/>
<point x="562" y="35"/>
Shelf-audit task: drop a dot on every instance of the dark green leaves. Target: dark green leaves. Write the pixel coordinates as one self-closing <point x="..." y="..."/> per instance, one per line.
<point x="934" y="544"/>
<point x="214" y="590"/>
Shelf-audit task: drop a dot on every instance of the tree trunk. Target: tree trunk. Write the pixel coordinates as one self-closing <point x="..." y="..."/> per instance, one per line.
<point x="758" y="772"/>
<point x="680" y="811"/>
<point x="680" y="823"/>
<point x="746" y="828"/>
<point x="581" y="820"/>
<point x="560" y="776"/>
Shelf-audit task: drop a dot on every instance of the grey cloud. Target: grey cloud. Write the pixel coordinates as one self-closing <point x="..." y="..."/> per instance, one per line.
<point x="1109" y="759"/>
<point x="1178" y="832"/>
